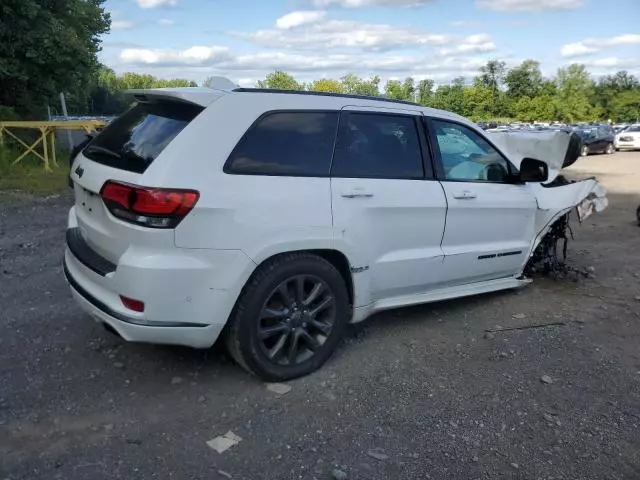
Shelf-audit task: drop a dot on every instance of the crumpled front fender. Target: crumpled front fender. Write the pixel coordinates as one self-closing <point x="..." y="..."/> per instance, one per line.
<point x="559" y="197"/>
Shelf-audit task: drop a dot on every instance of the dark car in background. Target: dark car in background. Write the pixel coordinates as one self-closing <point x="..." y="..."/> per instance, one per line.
<point x="596" y="139"/>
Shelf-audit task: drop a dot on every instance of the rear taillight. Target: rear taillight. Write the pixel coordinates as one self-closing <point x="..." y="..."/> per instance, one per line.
<point x="150" y="207"/>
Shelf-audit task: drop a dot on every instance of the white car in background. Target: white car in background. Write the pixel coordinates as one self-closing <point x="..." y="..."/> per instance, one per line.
<point x="629" y="138"/>
<point x="275" y="218"/>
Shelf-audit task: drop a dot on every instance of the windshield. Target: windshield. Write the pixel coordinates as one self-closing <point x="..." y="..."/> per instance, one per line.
<point x="135" y="139"/>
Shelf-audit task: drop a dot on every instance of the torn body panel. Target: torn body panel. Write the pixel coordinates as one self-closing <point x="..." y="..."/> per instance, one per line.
<point x="559" y="196"/>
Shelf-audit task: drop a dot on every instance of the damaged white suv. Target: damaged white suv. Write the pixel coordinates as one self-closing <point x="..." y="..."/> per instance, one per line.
<point x="279" y="217"/>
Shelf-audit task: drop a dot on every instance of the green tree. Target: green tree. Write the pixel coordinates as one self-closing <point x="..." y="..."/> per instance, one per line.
<point x="609" y="87"/>
<point x="626" y="105"/>
<point x="575" y="88"/>
<point x="398" y="90"/>
<point x="47" y="47"/>
<point x="354" y="85"/>
<point x="281" y="81"/>
<point x="425" y="92"/>
<point x="450" y="97"/>
<point x="524" y="80"/>
<point x="479" y="102"/>
<point x="492" y="75"/>
<point x="326" y="85"/>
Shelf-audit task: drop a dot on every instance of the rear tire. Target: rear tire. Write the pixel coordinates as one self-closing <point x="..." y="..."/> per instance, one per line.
<point x="609" y="149"/>
<point x="272" y="317"/>
<point x="584" y="151"/>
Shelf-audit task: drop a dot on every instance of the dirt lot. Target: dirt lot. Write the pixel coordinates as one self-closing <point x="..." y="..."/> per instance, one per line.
<point x="419" y="393"/>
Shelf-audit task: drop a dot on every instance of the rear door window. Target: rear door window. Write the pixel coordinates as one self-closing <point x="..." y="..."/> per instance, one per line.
<point x="286" y="144"/>
<point x="373" y="145"/>
<point x="135" y="139"/>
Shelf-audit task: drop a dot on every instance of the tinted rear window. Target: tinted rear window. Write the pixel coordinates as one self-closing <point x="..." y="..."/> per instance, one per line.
<point x="135" y="139"/>
<point x="287" y="144"/>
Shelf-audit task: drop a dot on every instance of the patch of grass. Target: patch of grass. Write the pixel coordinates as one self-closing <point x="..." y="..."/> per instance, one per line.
<point x="29" y="175"/>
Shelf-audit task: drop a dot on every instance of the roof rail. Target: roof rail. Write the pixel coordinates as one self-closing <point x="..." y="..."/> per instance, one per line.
<point x="324" y="94"/>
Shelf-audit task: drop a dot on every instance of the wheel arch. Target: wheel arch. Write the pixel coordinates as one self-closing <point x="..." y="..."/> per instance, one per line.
<point x="335" y="257"/>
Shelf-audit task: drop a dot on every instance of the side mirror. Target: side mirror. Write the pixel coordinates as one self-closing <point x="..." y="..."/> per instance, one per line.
<point x="532" y="170"/>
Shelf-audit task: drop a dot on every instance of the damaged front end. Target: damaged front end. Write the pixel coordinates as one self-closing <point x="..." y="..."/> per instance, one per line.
<point x="557" y="198"/>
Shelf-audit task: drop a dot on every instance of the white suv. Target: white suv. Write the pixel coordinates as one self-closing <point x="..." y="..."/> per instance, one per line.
<point x="279" y="217"/>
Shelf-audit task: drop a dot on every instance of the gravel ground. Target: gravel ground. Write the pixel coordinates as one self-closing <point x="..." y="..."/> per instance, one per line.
<point x="418" y="393"/>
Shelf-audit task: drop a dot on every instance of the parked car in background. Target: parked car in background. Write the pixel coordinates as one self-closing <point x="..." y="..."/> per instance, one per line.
<point x="629" y="138"/>
<point x="596" y="139"/>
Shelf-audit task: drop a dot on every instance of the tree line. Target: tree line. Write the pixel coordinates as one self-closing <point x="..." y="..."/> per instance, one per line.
<point x="520" y="93"/>
<point x="51" y="47"/>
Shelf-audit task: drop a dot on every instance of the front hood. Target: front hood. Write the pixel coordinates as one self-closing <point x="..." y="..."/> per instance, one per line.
<point x="558" y="149"/>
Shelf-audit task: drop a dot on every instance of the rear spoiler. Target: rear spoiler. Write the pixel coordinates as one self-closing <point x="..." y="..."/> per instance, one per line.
<point x="196" y="95"/>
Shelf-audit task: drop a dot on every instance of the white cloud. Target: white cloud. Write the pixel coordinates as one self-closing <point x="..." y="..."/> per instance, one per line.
<point x="370" y="3"/>
<point x="528" y="5"/>
<point x="156" y="3"/>
<point x="192" y="56"/>
<point x="465" y="23"/>
<point x="576" y="49"/>
<point x="330" y="34"/>
<point x="121" y="25"/>
<point x="301" y="17"/>
<point x="256" y="65"/>
<point x="593" y="45"/>
<point x="468" y="48"/>
<point x="614" y="63"/>
<point x="166" y="22"/>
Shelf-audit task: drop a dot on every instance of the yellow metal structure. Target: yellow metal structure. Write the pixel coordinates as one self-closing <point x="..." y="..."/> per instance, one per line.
<point x="47" y="136"/>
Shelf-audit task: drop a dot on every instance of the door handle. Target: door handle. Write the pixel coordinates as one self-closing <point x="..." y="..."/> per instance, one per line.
<point x="464" y="195"/>
<point x="357" y="195"/>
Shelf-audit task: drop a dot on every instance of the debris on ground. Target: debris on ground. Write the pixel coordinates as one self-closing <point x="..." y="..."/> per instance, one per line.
<point x="338" y="474"/>
<point x="519" y="315"/>
<point x="224" y="474"/>
<point x="546" y="379"/>
<point x="378" y="454"/>
<point x="224" y="442"/>
<point x="279" y="388"/>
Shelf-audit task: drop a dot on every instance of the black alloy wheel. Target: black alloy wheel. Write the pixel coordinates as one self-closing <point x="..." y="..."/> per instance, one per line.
<point x="296" y="319"/>
<point x="289" y="318"/>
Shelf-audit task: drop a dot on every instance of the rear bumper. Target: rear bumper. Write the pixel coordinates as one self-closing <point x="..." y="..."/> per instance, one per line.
<point x="131" y="329"/>
<point x="188" y="294"/>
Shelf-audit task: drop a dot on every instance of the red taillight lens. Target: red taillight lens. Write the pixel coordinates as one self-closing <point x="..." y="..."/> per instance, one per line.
<point x="132" y="304"/>
<point x="151" y="207"/>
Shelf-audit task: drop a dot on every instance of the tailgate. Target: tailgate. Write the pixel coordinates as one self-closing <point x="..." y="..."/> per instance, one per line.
<point x="122" y="152"/>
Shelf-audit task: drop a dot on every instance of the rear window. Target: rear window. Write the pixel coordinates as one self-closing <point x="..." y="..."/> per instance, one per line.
<point x="135" y="139"/>
<point x="287" y="144"/>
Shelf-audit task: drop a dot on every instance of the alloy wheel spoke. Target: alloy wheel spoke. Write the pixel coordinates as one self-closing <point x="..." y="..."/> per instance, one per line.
<point x="317" y="289"/>
<point x="277" y="348"/>
<point x="269" y="332"/>
<point x="312" y="343"/>
<point x="322" y="327"/>
<point x="283" y="289"/>
<point x="321" y="306"/>
<point x="294" y="336"/>
<point x="273" y="313"/>
<point x="299" y="289"/>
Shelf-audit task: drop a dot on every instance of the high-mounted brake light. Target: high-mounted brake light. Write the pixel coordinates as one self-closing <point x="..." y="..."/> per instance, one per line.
<point x="150" y="207"/>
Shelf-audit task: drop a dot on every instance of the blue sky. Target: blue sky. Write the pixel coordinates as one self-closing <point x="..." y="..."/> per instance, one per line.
<point x="440" y="39"/>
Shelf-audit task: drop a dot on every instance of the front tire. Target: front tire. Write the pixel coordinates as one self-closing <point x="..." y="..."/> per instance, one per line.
<point x="609" y="149"/>
<point x="290" y="317"/>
